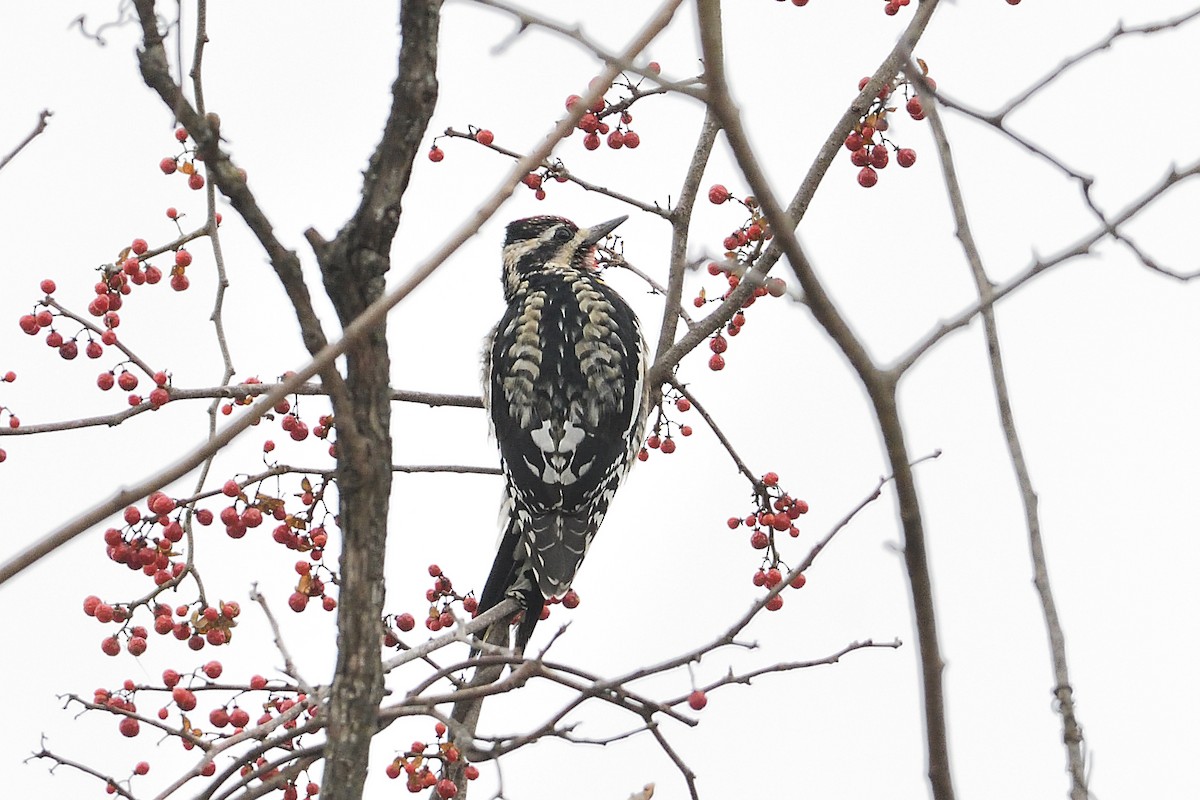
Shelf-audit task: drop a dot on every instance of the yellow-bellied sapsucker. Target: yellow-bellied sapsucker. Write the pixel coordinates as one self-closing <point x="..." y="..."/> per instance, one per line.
<point x="565" y="386"/>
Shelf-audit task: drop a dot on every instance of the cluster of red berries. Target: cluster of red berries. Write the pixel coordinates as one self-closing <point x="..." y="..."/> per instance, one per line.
<point x="209" y="625"/>
<point x="184" y="163"/>
<point x="122" y="702"/>
<point x="776" y="512"/>
<point x="569" y="600"/>
<point x="593" y="124"/>
<point x="139" y="546"/>
<point x="289" y="418"/>
<point x="660" y="438"/>
<point x="293" y="532"/>
<point x="742" y="249"/>
<point x="110" y="291"/>
<point x="868" y="146"/>
<point x="415" y="766"/>
<point x="536" y="181"/>
<point x="441" y="597"/>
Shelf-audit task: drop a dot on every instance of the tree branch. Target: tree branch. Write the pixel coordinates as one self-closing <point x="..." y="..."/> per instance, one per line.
<point x="43" y="119"/>
<point x="1072" y="732"/>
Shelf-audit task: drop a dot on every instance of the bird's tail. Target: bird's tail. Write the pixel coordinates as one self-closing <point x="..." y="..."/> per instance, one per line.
<point x="538" y="557"/>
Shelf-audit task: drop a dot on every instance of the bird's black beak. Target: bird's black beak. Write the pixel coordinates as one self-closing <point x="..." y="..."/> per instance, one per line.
<point x="597" y="232"/>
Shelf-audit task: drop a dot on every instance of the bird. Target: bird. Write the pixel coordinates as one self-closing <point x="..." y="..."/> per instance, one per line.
<point x="565" y="388"/>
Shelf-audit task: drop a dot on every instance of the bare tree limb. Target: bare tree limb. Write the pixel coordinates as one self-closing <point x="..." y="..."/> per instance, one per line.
<point x="1072" y="731"/>
<point x="880" y="386"/>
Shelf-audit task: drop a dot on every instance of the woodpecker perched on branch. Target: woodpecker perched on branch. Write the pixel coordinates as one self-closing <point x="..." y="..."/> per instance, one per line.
<point x="565" y="387"/>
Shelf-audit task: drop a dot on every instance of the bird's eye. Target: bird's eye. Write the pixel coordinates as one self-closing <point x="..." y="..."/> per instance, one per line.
<point x="563" y="234"/>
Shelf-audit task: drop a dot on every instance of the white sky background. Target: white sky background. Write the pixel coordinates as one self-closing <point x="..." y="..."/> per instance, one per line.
<point x="1101" y="356"/>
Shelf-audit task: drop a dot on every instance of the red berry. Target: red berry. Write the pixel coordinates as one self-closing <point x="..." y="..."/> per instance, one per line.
<point x="196" y="181"/>
<point x="159" y="397"/>
<point x="860" y="157"/>
<point x="775" y="603"/>
<point x="914" y="108"/>
<point x="181" y="134"/>
<point x="446" y="789"/>
<point x="239" y="718"/>
<point x="632" y="140"/>
<point x="867" y="177"/>
<point x="616" y="140"/>
<point x="717" y="362"/>
<point x="654" y="67"/>
<point x="298" y="601"/>
<point x="759" y="540"/>
<point x="697" y="700"/>
<point x="182" y="258"/>
<point x="168" y="165"/>
<point x="572" y="100"/>
<point x="184" y="698"/>
<point x="855" y="140"/>
<point x="436" y="154"/>
<point x="48" y="286"/>
<point x="484" y="137"/>
<point x="718" y="344"/>
<point x="718" y="194"/>
<point x="668" y="445"/>
<point x="129" y="727"/>
<point x="405" y="622"/>
<point x="231" y="488"/>
<point x="879" y="156"/>
<point x="906" y="157"/>
<point x="799" y="581"/>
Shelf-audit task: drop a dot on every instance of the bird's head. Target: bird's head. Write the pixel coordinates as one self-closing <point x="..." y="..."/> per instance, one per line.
<point x="538" y="244"/>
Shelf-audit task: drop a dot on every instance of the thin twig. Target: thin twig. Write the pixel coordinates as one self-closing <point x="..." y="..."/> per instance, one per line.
<point x="1072" y="731"/>
<point x="43" y="119"/>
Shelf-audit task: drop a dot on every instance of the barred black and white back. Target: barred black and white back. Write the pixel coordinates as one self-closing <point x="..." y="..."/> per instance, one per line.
<point x="566" y="392"/>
